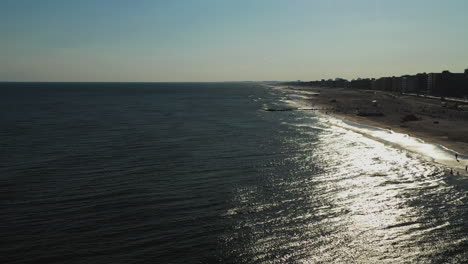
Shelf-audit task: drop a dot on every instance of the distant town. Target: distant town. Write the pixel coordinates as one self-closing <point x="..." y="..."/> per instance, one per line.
<point x="444" y="84"/>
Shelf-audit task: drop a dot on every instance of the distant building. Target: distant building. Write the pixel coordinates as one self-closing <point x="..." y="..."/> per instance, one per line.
<point x="340" y="83"/>
<point x="448" y="84"/>
<point x="406" y="83"/>
<point x="421" y="83"/>
<point x="414" y="83"/>
<point x="439" y="84"/>
<point x="365" y="84"/>
<point x="383" y="84"/>
<point x="396" y="84"/>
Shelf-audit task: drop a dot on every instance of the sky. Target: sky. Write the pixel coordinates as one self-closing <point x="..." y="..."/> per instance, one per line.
<point x="229" y="40"/>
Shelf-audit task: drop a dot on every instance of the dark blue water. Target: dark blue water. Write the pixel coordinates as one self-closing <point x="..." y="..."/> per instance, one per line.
<point x="197" y="173"/>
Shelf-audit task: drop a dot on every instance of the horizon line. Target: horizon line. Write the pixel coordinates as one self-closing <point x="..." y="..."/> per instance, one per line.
<point x="136" y="81"/>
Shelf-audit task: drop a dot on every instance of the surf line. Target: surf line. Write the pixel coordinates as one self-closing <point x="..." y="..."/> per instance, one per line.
<point x="432" y="152"/>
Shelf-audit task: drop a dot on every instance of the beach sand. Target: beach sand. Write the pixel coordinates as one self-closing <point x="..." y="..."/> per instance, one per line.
<point x="434" y="124"/>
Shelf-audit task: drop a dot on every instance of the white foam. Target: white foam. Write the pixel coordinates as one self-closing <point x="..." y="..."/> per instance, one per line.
<point x="433" y="152"/>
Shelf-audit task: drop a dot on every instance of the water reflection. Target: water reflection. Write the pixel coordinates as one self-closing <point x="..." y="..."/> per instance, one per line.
<point x="338" y="196"/>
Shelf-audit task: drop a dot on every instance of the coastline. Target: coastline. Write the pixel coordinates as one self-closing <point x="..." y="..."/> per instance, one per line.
<point x="456" y="146"/>
<point x="435" y="124"/>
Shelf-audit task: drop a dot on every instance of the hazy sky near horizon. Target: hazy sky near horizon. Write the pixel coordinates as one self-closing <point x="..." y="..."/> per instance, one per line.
<point x="218" y="40"/>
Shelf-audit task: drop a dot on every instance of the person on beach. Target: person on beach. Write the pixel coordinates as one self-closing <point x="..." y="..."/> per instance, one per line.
<point x="456" y="157"/>
<point x="451" y="171"/>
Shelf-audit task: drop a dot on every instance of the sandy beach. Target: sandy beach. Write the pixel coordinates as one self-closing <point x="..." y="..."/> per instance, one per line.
<point x="424" y="118"/>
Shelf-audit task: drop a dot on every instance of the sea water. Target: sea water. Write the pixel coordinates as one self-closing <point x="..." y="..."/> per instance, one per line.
<point x="200" y="173"/>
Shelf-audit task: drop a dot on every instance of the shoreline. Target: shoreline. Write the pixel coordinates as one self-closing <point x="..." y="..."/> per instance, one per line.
<point x="453" y="146"/>
<point x="342" y="103"/>
<point x="428" y="150"/>
<point x="445" y="127"/>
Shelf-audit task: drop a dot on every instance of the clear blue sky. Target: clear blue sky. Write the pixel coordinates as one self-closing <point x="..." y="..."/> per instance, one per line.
<point x="217" y="40"/>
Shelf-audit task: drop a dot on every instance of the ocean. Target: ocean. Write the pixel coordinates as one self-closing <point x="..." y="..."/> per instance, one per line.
<point x="201" y="173"/>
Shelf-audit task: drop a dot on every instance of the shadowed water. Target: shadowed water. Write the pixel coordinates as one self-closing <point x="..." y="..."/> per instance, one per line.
<point x="197" y="173"/>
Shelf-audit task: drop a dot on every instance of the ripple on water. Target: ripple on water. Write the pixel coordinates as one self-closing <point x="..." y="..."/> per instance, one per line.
<point x="363" y="201"/>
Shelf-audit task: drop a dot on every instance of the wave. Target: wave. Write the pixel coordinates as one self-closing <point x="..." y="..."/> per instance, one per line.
<point x="430" y="151"/>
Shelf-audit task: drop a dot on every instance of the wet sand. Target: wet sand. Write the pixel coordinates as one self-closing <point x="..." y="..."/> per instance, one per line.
<point x="425" y="118"/>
